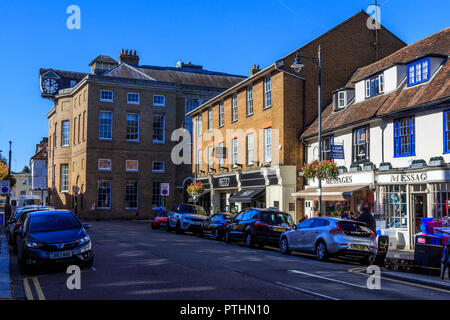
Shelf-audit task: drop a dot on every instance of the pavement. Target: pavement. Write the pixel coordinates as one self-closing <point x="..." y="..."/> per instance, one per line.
<point x="134" y="262"/>
<point x="5" y="280"/>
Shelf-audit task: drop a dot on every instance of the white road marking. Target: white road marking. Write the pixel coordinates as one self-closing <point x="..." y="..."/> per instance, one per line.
<point x="26" y="287"/>
<point x="38" y="289"/>
<point x="306" y="291"/>
<point x="328" y="279"/>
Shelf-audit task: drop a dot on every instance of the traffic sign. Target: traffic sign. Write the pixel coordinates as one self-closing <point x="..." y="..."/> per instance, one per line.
<point x="165" y="189"/>
<point x="4" y="187"/>
<point x="75" y="189"/>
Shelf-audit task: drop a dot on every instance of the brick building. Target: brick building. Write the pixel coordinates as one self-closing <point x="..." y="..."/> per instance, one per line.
<point x="110" y="133"/>
<point x="258" y="163"/>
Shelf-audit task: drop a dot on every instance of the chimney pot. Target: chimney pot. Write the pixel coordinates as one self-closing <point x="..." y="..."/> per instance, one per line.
<point x="257" y="67"/>
<point x="122" y="51"/>
<point x="134" y="52"/>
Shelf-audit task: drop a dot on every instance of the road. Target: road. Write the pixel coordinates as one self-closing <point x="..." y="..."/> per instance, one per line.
<point x="132" y="261"/>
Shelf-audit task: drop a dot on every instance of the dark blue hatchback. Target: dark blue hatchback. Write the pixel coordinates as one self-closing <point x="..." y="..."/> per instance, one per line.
<point x="55" y="236"/>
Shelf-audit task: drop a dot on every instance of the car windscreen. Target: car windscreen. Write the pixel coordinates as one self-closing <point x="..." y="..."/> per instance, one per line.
<point x="355" y="229"/>
<point x="32" y="202"/>
<point x="276" y="218"/>
<point x="53" y="222"/>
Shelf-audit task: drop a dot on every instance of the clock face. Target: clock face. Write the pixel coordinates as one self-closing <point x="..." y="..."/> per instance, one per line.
<point x="49" y="86"/>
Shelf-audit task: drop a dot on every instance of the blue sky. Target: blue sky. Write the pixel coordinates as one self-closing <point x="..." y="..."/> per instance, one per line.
<point x="228" y="36"/>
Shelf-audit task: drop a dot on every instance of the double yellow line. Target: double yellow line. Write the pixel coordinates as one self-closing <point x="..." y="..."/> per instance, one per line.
<point x="29" y="292"/>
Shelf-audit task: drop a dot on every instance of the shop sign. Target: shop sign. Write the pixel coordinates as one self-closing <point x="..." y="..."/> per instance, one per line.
<point x="340" y="180"/>
<point x="411" y="177"/>
<point x="224" y="182"/>
<point x="337" y="151"/>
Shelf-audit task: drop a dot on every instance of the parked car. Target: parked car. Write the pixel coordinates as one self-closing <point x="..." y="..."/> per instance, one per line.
<point x="49" y="237"/>
<point x="186" y="217"/>
<point x="17" y="220"/>
<point x="215" y="225"/>
<point x="258" y="226"/>
<point x="160" y="220"/>
<point x="330" y="237"/>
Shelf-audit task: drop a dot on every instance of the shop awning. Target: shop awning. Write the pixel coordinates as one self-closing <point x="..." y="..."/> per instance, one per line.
<point x="246" y="195"/>
<point x="330" y="193"/>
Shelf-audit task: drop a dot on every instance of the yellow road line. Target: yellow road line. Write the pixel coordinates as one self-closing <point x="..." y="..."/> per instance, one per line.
<point x="355" y="270"/>
<point x="38" y="289"/>
<point x="26" y="287"/>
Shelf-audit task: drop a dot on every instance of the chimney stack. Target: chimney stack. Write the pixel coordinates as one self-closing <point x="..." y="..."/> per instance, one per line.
<point x="255" y="70"/>
<point x="129" y="57"/>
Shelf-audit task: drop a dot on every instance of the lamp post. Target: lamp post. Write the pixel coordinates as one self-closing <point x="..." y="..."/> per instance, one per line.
<point x="297" y="66"/>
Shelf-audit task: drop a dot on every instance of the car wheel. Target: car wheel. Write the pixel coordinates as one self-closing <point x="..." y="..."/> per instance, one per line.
<point x="284" y="246"/>
<point x="200" y="233"/>
<point x="168" y="228"/>
<point x="249" y="240"/>
<point x="217" y="235"/>
<point x="178" y="229"/>
<point x="227" y="237"/>
<point x="321" y="251"/>
<point x="88" y="264"/>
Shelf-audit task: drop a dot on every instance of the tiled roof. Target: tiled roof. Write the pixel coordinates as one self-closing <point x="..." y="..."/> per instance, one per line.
<point x="436" y="43"/>
<point x="183" y="76"/>
<point x="41" y="155"/>
<point x="103" y="59"/>
<point x="65" y="74"/>
<point x="435" y="90"/>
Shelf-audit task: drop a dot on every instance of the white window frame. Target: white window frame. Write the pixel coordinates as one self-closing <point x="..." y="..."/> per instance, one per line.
<point x="250" y="148"/>
<point x="65" y="133"/>
<point x="137" y="139"/>
<point x="221" y="114"/>
<point x="99" y="124"/>
<point x="157" y="104"/>
<point x="107" y="99"/>
<point x="156" y="194"/>
<point x="199" y="125"/>
<point x="222" y="160"/>
<point x="158" y="170"/>
<point x="250" y="100"/>
<point x="268" y="145"/>
<point x="137" y="195"/>
<point x="210" y="119"/>
<point x="101" y="181"/>
<point x="344" y="94"/>
<point x="235" y="152"/>
<point x="210" y="158"/>
<point x="267" y="92"/>
<point x="64" y="182"/>
<point x="131" y="170"/>
<point x="163" y="129"/>
<point x="131" y="101"/>
<point x="105" y="169"/>
<point x="200" y="159"/>
<point x="234" y="108"/>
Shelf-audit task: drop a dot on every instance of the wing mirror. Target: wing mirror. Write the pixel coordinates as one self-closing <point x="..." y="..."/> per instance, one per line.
<point x="86" y="226"/>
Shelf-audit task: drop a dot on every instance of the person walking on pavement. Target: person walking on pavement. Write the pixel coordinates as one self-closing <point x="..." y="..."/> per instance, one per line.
<point x="366" y="217"/>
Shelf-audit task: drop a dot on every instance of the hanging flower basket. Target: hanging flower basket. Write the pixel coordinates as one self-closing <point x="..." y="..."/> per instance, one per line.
<point x="324" y="170"/>
<point x="195" y="189"/>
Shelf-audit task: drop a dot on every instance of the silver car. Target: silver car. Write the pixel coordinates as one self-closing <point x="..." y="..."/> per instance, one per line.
<point x="330" y="237"/>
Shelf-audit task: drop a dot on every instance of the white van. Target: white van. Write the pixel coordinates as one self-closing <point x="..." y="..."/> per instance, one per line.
<point x="29" y="200"/>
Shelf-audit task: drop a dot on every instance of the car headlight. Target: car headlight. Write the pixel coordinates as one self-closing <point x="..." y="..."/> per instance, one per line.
<point x="33" y="244"/>
<point x="83" y="240"/>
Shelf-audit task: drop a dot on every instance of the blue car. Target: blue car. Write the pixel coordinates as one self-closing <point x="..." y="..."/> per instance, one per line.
<point x="56" y="236"/>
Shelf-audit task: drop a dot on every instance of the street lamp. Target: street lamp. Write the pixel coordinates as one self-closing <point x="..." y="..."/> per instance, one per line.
<point x="297" y="66"/>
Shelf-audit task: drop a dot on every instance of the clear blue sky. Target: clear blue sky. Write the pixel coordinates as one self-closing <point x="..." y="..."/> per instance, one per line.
<point x="221" y="35"/>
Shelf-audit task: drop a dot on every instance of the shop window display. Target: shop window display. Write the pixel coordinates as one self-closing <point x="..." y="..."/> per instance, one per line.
<point x="394" y="206"/>
<point x="440" y="197"/>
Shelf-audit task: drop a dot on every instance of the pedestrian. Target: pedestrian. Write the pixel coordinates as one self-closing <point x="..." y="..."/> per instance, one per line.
<point x="351" y="215"/>
<point x="344" y="215"/>
<point x="367" y="218"/>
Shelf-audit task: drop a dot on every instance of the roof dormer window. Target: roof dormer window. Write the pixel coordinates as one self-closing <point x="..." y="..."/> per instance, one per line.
<point x="341" y="99"/>
<point x="374" y="86"/>
<point x="418" y="71"/>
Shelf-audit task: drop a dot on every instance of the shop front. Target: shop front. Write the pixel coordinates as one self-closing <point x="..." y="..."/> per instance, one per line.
<point x="341" y="195"/>
<point x="407" y="196"/>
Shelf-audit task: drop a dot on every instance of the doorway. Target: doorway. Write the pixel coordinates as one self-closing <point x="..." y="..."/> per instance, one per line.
<point x="419" y="206"/>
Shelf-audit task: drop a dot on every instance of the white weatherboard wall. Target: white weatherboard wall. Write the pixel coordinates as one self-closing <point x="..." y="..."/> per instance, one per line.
<point x="39" y="174"/>
<point x="429" y="141"/>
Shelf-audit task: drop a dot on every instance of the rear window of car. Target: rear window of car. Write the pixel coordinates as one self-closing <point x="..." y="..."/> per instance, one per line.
<point x="354" y="227"/>
<point x="276" y="218"/>
<point x="162" y="214"/>
<point x="191" y="209"/>
<point x="53" y="222"/>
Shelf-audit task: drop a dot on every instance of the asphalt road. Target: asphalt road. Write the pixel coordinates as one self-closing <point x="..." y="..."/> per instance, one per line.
<point x="132" y="261"/>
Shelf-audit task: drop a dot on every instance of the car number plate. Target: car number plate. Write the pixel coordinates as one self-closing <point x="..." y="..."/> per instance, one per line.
<point x="279" y="229"/>
<point x="62" y="254"/>
<point x="359" y="247"/>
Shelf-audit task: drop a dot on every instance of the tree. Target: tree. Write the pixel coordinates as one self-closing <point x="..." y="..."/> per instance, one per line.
<point x="4" y="174"/>
<point x="26" y="169"/>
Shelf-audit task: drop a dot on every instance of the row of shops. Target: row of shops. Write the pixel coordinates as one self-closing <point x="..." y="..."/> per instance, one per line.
<point x="397" y="198"/>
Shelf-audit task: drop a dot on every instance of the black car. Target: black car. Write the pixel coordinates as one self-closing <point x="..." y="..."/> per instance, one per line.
<point x="215" y="225"/>
<point x="49" y="237"/>
<point x="258" y="226"/>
